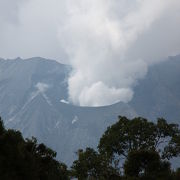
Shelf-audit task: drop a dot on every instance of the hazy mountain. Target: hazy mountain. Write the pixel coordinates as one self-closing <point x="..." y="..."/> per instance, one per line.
<point x="158" y="94"/>
<point x="30" y="100"/>
<point x="32" y="90"/>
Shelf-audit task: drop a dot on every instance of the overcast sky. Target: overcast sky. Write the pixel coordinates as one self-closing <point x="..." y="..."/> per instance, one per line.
<point x="109" y="43"/>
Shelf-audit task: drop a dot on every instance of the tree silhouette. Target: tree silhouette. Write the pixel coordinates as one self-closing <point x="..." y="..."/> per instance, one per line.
<point x="26" y="159"/>
<point x="139" y="134"/>
<point x="132" y="149"/>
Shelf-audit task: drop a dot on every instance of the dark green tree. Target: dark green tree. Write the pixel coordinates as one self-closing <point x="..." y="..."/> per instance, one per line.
<point x="91" y="165"/>
<point x="26" y="159"/>
<point x="1" y="127"/>
<point x="146" y="165"/>
<point x="177" y="174"/>
<point x="131" y="150"/>
<point x="139" y="134"/>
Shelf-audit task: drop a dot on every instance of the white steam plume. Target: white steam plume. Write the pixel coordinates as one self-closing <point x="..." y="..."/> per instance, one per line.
<point x="97" y="37"/>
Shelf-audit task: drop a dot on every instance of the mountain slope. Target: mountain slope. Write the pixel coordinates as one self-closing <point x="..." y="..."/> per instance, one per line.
<point x="30" y="94"/>
<point x="158" y="94"/>
<point x="31" y="91"/>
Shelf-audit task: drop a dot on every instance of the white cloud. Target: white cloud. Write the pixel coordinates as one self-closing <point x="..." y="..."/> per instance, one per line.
<point x="98" y="41"/>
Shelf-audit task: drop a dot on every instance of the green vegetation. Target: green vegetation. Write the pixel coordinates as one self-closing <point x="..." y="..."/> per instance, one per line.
<point x="131" y="149"/>
<point x="26" y="160"/>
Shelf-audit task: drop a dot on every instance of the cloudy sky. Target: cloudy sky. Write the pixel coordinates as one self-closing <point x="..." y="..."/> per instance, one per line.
<point x="109" y="43"/>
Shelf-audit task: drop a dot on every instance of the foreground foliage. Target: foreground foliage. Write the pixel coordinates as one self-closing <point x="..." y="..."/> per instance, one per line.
<point x="132" y="149"/>
<point x="25" y="159"/>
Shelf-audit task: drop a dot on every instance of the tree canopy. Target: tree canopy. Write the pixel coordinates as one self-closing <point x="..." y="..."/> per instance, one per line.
<point x="22" y="159"/>
<point x="133" y="149"/>
<point x="140" y="134"/>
